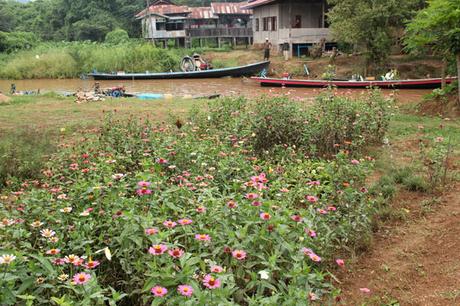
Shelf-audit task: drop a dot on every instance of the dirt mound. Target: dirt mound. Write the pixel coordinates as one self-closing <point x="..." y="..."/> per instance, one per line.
<point x="445" y="107"/>
<point x="4" y="99"/>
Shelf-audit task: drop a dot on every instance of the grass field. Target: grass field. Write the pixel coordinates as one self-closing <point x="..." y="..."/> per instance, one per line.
<point x="52" y="112"/>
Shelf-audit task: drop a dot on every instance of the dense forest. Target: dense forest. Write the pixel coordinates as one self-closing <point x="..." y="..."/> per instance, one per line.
<point x="75" y="19"/>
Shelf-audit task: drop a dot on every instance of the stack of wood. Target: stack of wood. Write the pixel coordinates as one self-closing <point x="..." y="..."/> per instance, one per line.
<point x="87" y="96"/>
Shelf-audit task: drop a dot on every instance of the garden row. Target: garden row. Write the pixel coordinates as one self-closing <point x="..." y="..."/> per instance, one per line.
<point x="246" y="203"/>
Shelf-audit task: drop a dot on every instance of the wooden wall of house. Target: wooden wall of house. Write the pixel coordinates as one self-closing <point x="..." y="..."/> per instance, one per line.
<point x="310" y="13"/>
<point x="311" y="27"/>
<point x="259" y="13"/>
<point x="149" y="27"/>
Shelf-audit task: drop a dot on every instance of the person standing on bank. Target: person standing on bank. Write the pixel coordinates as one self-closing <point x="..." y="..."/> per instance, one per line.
<point x="267" y="47"/>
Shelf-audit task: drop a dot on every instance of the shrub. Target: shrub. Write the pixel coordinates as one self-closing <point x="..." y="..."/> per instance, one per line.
<point x="116" y="37"/>
<point x="415" y="183"/>
<point x="332" y="124"/>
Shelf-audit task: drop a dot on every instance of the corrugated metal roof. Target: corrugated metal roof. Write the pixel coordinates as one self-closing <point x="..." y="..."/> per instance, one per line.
<point x="202" y="13"/>
<point x="230" y="8"/>
<point x="216" y="8"/>
<point x="166" y="9"/>
<point x="256" y="3"/>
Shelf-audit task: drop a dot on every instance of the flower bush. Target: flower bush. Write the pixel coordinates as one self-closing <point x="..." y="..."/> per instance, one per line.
<point x="334" y="123"/>
<point x="148" y="214"/>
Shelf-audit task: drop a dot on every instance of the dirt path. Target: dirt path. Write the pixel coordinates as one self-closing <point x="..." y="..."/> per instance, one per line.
<point x="416" y="262"/>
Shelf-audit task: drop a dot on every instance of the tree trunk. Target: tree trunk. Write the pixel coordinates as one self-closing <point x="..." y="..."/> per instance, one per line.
<point x="443" y="73"/>
<point x="458" y="76"/>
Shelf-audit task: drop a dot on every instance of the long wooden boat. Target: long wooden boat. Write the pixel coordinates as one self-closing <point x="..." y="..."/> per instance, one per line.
<point x="247" y="70"/>
<point x="401" y="84"/>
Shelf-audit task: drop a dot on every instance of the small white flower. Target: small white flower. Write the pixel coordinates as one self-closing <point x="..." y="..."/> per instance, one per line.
<point x="7" y="259"/>
<point x="118" y="176"/>
<point x="264" y="274"/>
<point x="66" y="209"/>
<point x="47" y="233"/>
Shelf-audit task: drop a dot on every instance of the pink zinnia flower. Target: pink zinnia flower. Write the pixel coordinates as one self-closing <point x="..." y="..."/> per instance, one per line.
<point x="355" y="161"/>
<point x="143" y="191"/>
<point x="53" y="251"/>
<point x="185" y="290"/>
<point x="91" y="264"/>
<point x="365" y="290"/>
<point x="58" y="261"/>
<point x="256" y="203"/>
<point x="143" y="184"/>
<point x="72" y="259"/>
<point x="185" y="221"/>
<point x="314" y="257"/>
<point x="217" y="269"/>
<point x="322" y="211"/>
<point x="151" y="231"/>
<point x="310" y="233"/>
<point x="340" y="262"/>
<point x="202" y="237"/>
<point x="201" y="209"/>
<point x="169" y="224"/>
<point x="251" y="196"/>
<point x="296" y="218"/>
<point x="159" y="291"/>
<point x="162" y="161"/>
<point x="265" y="216"/>
<point x="307" y="251"/>
<point x="232" y="204"/>
<point x="210" y="282"/>
<point x="158" y="249"/>
<point x="144" y="188"/>
<point x="239" y="254"/>
<point x="331" y="208"/>
<point x="176" y="253"/>
<point x="311" y="199"/>
<point x="81" y="278"/>
<point x="314" y="183"/>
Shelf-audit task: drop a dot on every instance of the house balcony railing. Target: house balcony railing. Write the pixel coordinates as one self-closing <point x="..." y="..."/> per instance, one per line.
<point x="301" y="35"/>
<point x="201" y="33"/>
<point x="163" y="34"/>
<point x="219" y="32"/>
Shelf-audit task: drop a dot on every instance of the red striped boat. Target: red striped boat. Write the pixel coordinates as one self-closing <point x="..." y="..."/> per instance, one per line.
<point x="393" y="84"/>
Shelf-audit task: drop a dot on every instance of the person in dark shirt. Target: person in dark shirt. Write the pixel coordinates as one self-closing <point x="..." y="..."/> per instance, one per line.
<point x="267" y="47"/>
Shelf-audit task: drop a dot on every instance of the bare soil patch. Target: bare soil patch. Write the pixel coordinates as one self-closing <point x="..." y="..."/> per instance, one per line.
<point x="416" y="262"/>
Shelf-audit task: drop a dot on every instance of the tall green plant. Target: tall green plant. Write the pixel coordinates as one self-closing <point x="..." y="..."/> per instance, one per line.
<point x="437" y="27"/>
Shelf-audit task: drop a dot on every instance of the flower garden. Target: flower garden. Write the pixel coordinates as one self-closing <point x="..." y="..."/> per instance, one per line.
<point x="244" y="203"/>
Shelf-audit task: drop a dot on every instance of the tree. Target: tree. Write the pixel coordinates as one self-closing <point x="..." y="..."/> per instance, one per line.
<point x="370" y="25"/>
<point x="437" y="27"/>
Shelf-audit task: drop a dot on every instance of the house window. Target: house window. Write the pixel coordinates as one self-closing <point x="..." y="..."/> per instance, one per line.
<point x="273" y="23"/>
<point x="257" y="24"/>
<point x="265" y="23"/>
<point x="298" y="22"/>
